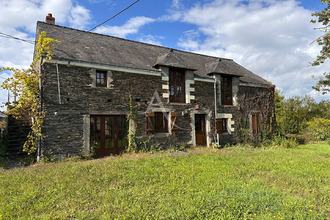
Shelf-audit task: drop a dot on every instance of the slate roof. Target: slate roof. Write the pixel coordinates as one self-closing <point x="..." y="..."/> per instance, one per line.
<point x="222" y="66"/>
<point x="171" y="59"/>
<point x="78" y="45"/>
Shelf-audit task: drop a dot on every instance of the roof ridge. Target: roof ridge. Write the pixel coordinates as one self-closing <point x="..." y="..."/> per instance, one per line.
<point x="133" y="41"/>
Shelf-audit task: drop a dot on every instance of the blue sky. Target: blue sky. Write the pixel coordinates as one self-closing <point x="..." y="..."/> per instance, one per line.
<point x="269" y="37"/>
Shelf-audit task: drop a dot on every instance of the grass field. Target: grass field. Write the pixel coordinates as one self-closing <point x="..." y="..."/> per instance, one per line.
<point x="201" y="184"/>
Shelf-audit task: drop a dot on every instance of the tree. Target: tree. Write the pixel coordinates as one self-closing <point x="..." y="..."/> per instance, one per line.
<point x="293" y="114"/>
<point x="24" y="83"/>
<point x="323" y="85"/>
<point x="323" y="17"/>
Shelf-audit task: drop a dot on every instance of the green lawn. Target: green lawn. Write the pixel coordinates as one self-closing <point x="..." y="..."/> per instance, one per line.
<point x="204" y="184"/>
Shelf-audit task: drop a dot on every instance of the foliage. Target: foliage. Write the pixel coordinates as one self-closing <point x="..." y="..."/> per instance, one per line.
<point x="293" y="114"/>
<point x="132" y="126"/>
<point x="323" y="17"/>
<point x="3" y="139"/>
<point x="323" y="84"/>
<point x="244" y="135"/>
<point x="319" y="128"/>
<point x="280" y="141"/>
<point x="204" y="184"/>
<point x="25" y="84"/>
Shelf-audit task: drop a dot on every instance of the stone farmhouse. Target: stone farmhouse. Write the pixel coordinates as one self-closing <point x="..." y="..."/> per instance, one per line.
<point x="189" y="97"/>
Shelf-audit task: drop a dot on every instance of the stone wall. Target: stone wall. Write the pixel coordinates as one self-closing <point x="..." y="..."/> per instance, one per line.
<point x="66" y="127"/>
<point x="65" y="121"/>
<point x="249" y="100"/>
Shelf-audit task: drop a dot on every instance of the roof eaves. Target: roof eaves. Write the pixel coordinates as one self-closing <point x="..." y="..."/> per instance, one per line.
<point x="103" y="64"/>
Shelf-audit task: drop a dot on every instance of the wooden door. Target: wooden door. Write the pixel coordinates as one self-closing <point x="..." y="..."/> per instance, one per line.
<point x="108" y="134"/>
<point x="200" y="129"/>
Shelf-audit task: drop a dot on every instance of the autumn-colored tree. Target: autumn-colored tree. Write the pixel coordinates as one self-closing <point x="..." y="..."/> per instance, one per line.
<point x="24" y="83"/>
<point x="323" y="17"/>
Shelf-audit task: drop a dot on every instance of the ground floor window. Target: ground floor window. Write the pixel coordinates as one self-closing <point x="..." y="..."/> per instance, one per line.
<point x="221" y="125"/>
<point x="255" y="124"/>
<point x="157" y="122"/>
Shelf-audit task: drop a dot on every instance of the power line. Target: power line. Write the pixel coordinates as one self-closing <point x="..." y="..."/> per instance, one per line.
<point x="32" y="42"/>
<point x="114" y="15"/>
<point x="15" y="38"/>
<point x="108" y="19"/>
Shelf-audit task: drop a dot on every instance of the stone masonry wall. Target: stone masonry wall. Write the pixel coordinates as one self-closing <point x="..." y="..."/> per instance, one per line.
<point x="250" y="100"/>
<point x="63" y="130"/>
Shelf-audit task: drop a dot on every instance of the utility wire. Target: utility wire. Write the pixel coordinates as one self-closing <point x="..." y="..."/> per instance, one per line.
<point x="114" y="15"/>
<point x="32" y="42"/>
<point x="15" y="38"/>
<point x="107" y="19"/>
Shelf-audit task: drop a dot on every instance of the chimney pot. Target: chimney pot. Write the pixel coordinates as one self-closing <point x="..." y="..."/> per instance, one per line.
<point x="50" y="19"/>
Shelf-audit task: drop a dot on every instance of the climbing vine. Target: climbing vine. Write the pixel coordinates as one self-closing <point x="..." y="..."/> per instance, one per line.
<point x="132" y="142"/>
<point x="24" y="84"/>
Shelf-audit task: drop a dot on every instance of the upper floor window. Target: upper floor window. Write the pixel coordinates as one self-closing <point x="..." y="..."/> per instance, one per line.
<point x="177" y="85"/>
<point x="226" y="90"/>
<point x="101" y="78"/>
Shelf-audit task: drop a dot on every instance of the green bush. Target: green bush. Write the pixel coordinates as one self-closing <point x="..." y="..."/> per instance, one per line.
<point x="284" y="142"/>
<point x="319" y="128"/>
<point x="300" y="138"/>
<point x="244" y="136"/>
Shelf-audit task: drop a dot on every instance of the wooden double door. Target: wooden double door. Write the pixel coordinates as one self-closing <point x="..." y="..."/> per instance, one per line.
<point x="108" y="134"/>
<point x="200" y="129"/>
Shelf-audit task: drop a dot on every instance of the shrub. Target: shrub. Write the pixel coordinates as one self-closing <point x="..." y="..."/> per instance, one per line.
<point x="244" y="136"/>
<point x="3" y="140"/>
<point x="300" y="138"/>
<point x="281" y="141"/>
<point x="319" y="128"/>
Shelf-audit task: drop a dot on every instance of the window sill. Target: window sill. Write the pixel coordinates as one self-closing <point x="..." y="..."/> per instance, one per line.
<point x="228" y="106"/>
<point x="178" y="103"/>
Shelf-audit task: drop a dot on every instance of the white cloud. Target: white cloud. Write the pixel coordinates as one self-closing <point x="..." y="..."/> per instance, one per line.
<point x="150" y="39"/>
<point x="271" y="38"/>
<point x="79" y="17"/>
<point x="132" y="26"/>
<point x="18" y="18"/>
<point x="176" y="4"/>
<point x="190" y="40"/>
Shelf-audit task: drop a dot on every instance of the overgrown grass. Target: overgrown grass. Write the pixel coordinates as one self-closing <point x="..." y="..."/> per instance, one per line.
<point x="204" y="184"/>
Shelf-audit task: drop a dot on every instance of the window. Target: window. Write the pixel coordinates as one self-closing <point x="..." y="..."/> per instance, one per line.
<point x="177" y="85"/>
<point x="255" y="124"/>
<point x="226" y="90"/>
<point x="101" y="78"/>
<point x="108" y="134"/>
<point x="157" y="122"/>
<point x="221" y="125"/>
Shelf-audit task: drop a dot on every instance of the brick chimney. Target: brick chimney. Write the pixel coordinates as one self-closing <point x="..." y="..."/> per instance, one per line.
<point x="50" y="19"/>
